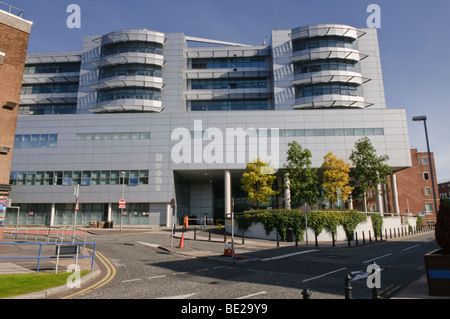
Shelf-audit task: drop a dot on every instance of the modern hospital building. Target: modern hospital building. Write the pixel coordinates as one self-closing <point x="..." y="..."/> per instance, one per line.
<point x="149" y="116"/>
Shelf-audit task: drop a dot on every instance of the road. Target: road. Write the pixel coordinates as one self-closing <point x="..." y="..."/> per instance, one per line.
<point x="135" y="267"/>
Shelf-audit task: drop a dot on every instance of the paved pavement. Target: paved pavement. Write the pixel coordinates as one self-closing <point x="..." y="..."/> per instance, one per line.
<point x="244" y="253"/>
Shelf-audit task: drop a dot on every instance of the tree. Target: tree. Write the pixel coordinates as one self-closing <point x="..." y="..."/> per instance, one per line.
<point x="369" y="169"/>
<point x="302" y="177"/>
<point x="336" y="178"/>
<point x="257" y="181"/>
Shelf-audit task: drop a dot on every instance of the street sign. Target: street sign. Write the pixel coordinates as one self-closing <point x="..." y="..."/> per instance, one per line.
<point x="305" y="209"/>
<point x="122" y="203"/>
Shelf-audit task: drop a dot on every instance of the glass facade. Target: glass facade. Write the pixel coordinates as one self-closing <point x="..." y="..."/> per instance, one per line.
<point x="39" y="68"/>
<point x="36" y="141"/>
<point x="131" y="46"/>
<point x="134" y="93"/>
<point x="46" y="88"/>
<point x="326" y="65"/>
<point x="130" y="70"/>
<point x="226" y="63"/>
<point x="328" y="88"/>
<point x="211" y="84"/>
<point x="84" y="178"/>
<point x="230" y="105"/>
<point x="324" y="41"/>
<point x="47" y="109"/>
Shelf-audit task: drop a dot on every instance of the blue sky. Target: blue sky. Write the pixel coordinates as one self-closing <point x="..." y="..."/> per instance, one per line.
<point x="414" y="41"/>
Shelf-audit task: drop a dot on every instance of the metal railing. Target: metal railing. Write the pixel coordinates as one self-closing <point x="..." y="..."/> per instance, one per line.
<point x="57" y="255"/>
<point x="11" y="9"/>
<point x="50" y="233"/>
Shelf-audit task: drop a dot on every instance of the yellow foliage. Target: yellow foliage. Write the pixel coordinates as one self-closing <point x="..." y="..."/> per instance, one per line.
<point x="336" y="178"/>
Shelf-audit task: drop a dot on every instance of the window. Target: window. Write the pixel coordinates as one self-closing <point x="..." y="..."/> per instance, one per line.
<point x="426" y="176"/>
<point x="328" y="88"/>
<point x="129" y="93"/>
<point x="36" y="141"/>
<point x="132" y="46"/>
<point x="428" y="208"/>
<point x="427" y="190"/>
<point x="423" y="161"/>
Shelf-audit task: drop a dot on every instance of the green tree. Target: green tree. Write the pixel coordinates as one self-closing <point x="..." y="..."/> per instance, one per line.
<point x="369" y="169"/>
<point x="336" y="178"/>
<point x="257" y="181"/>
<point x="302" y="177"/>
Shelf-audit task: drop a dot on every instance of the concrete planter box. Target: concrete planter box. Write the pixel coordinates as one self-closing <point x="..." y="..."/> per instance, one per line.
<point x="437" y="266"/>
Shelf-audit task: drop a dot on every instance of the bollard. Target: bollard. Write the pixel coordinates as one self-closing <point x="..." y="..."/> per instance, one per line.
<point x="370" y="237"/>
<point x="195" y="233"/>
<point x="364" y="238"/>
<point x="385" y="234"/>
<point x="243" y="238"/>
<point x="306" y="294"/>
<point x="332" y="237"/>
<point x="209" y="236"/>
<point x="356" y="238"/>
<point x="278" y="240"/>
<point x="348" y="287"/>
<point x="375" y="293"/>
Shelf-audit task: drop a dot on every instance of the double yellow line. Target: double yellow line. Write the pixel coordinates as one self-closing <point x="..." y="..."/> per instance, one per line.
<point x="110" y="274"/>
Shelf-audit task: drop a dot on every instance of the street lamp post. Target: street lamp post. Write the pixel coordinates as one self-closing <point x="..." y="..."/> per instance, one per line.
<point x="424" y="119"/>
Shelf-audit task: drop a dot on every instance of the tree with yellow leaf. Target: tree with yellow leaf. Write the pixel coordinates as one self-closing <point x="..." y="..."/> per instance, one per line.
<point x="258" y="181"/>
<point x="336" y="178"/>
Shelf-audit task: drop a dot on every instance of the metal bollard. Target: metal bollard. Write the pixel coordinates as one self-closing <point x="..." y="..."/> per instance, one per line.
<point x="348" y="287"/>
<point x="243" y="238"/>
<point x="195" y="233"/>
<point x="306" y="294"/>
<point x="209" y="236"/>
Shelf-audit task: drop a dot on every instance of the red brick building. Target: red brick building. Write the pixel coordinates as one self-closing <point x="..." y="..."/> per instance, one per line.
<point x="414" y="189"/>
<point x="14" y="34"/>
<point x="444" y="190"/>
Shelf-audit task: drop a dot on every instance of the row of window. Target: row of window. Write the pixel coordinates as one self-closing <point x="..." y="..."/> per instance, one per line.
<point x="210" y="84"/>
<point x="47" y="109"/>
<point x="36" y="141"/>
<point x="132" y="47"/>
<point x="129" y="93"/>
<point x="114" y="136"/>
<point x="130" y="70"/>
<point x="42" y="88"/>
<point x="305" y="132"/>
<point x="227" y="63"/>
<point x="230" y="105"/>
<point x="328" y="88"/>
<point x="38" y="68"/>
<point x="83" y="178"/>
<point x="325" y="41"/>
<point x="326" y="65"/>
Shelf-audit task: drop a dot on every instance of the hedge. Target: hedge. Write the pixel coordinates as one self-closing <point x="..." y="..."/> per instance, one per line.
<point x="282" y="219"/>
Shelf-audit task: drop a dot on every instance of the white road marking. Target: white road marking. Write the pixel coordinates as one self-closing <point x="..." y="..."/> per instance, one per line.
<point x="253" y="295"/>
<point x="289" y="255"/>
<point x="364" y="262"/>
<point x="328" y="273"/>
<point x="130" y="280"/>
<point x="178" y="297"/>
<point x="156" y="277"/>
<point x="410" y="247"/>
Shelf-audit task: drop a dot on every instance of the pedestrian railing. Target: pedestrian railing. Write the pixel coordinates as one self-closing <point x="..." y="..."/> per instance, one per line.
<point x="62" y="250"/>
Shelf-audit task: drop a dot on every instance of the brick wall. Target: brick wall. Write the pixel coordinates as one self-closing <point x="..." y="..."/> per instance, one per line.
<point x="14" y="34"/>
<point x="412" y="185"/>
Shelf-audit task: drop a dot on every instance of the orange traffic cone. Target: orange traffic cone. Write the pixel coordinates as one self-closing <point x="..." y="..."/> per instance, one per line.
<point x="226" y="251"/>
<point x="181" y="241"/>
